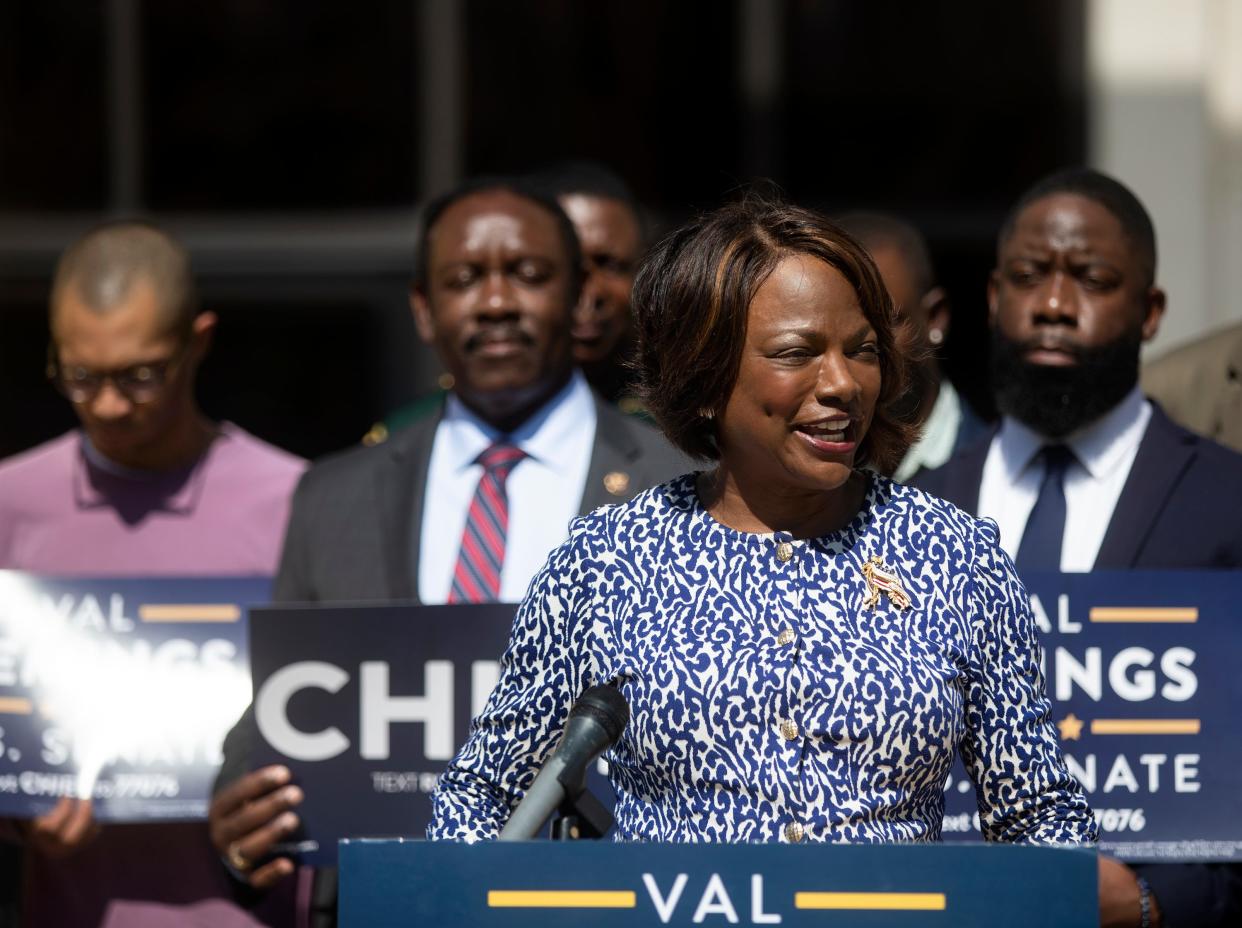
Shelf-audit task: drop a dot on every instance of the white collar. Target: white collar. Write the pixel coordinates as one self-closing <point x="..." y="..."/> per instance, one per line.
<point x="1099" y="446"/>
<point x="935" y="444"/>
<point x="541" y="436"/>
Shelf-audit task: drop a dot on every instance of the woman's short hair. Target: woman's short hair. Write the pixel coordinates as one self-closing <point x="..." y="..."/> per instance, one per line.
<point x="692" y="298"/>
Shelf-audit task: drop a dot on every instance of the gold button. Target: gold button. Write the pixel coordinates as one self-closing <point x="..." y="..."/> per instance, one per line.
<point x="785" y="637"/>
<point x="784" y="551"/>
<point x="789" y="729"/>
<point x="794" y="832"/>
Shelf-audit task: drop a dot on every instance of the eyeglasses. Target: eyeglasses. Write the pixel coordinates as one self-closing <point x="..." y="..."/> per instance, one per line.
<point x="140" y="383"/>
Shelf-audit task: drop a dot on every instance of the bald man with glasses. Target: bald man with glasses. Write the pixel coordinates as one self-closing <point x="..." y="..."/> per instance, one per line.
<point x="147" y="486"/>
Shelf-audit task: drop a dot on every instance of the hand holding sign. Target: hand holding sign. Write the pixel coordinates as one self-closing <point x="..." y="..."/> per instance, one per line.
<point x="251" y="816"/>
<point x="64" y="831"/>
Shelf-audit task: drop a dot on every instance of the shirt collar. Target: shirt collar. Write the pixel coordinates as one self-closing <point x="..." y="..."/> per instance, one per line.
<point x="935" y="445"/>
<point x="1099" y="446"/>
<point x="541" y="436"/>
<point x="101" y="482"/>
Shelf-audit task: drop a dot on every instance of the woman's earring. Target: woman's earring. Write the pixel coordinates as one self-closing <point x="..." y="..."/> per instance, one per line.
<point x="936" y="337"/>
<point x="706" y="414"/>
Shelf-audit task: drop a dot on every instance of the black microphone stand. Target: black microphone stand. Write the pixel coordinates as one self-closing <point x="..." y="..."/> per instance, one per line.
<point x="583" y="816"/>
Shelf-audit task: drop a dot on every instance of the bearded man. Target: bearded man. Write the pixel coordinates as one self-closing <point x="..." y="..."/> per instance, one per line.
<point x="1084" y="472"/>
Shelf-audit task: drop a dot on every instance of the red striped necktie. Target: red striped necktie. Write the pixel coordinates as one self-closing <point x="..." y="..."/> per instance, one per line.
<point x="476" y="579"/>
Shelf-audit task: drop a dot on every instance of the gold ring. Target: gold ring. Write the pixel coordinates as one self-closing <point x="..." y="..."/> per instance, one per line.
<point x="237" y="860"/>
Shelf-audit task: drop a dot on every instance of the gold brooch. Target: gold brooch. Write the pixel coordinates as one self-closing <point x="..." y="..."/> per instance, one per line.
<point x="881" y="579"/>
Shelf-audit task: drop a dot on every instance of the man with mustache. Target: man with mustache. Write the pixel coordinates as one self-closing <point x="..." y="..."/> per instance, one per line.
<point x="612" y="236"/>
<point x="498" y="273"/>
<point x="1084" y="472"/>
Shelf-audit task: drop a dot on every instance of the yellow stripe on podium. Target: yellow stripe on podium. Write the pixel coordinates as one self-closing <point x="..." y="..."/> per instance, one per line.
<point x="922" y="902"/>
<point x="561" y="899"/>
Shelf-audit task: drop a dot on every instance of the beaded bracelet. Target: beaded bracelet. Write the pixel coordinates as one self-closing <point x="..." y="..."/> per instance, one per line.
<point x="1144" y="903"/>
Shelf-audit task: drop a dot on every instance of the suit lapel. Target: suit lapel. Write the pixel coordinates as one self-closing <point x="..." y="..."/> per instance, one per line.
<point x="959" y="479"/>
<point x="612" y="456"/>
<point x="1162" y="458"/>
<point x="965" y="478"/>
<point x="399" y="484"/>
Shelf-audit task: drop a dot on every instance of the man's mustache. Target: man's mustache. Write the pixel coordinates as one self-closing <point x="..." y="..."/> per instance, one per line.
<point x="1051" y="343"/>
<point x="504" y="332"/>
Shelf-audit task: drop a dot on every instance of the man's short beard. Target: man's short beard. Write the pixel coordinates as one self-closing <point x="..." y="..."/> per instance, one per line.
<point x="1055" y="401"/>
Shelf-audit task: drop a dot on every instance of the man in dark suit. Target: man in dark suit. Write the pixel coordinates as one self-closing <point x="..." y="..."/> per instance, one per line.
<point x="1085" y="473"/>
<point x="498" y="273"/>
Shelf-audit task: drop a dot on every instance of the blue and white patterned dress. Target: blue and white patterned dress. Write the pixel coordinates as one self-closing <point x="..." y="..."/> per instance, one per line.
<point x="767" y="702"/>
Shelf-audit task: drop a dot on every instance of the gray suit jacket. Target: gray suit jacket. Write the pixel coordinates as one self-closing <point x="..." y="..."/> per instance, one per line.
<point x="355" y="525"/>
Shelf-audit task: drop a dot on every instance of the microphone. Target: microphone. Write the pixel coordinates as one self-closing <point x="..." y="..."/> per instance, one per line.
<point x="595" y="723"/>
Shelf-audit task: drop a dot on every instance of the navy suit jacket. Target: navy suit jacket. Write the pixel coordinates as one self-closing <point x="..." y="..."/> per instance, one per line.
<point x="1181" y="507"/>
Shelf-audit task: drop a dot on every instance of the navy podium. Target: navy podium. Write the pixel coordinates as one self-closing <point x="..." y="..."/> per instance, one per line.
<point x="394" y="882"/>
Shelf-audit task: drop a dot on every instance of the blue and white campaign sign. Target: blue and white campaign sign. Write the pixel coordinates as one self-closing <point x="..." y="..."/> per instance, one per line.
<point x="367" y="704"/>
<point x="1142" y="672"/>
<point x="119" y="690"/>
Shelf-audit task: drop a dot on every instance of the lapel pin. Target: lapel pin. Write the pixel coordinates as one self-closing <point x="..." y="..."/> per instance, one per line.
<point x="882" y="579"/>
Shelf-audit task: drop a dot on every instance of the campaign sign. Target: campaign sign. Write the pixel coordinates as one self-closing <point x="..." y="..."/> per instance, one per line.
<point x="367" y="704"/>
<point x="1142" y="672"/>
<point x="119" y="690"/>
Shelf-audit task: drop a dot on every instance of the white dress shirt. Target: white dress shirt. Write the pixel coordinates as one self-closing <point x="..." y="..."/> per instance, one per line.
<point x="544" y="489"/>
<point x="1105" y="452"/>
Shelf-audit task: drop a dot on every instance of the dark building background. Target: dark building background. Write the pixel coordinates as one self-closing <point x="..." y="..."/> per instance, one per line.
<point x="288" y="145"/>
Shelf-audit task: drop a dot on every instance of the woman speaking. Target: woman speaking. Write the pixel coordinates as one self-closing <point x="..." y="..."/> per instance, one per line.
<point x="803" y="643"/>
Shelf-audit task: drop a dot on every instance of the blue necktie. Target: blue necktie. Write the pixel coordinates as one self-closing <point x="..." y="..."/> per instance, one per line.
<point x="1041" y="541"/>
